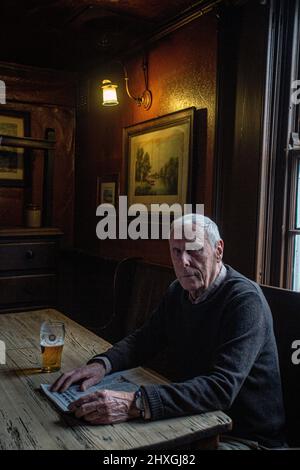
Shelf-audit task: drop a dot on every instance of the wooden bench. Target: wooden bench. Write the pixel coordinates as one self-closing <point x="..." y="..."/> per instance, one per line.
<point x="285" y="308"/>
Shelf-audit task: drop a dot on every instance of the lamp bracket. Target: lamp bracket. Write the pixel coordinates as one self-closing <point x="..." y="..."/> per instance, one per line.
<point x="145" y="99"/>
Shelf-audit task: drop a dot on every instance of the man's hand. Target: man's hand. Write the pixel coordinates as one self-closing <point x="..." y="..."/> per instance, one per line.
<point x="105" y="407"/>
<point x="89" y="375"/>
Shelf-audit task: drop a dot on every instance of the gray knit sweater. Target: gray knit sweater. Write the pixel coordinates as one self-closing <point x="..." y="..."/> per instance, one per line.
<point x="223" y="354"/>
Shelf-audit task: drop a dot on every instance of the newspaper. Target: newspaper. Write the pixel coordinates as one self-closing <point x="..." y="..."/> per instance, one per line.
<point x="115" y="381"/>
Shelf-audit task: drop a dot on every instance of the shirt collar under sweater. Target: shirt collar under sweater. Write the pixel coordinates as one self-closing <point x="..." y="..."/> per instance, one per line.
<point x="211" y="288"/>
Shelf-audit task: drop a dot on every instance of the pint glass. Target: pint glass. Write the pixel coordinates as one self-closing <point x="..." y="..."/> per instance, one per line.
<point x="52" y="337"/>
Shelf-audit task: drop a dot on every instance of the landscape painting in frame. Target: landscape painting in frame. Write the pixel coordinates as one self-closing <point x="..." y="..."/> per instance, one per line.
<point x="159" y="157"/>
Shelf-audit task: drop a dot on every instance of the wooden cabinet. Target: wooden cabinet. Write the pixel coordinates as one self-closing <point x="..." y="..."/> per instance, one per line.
<point x="28" y="268"/>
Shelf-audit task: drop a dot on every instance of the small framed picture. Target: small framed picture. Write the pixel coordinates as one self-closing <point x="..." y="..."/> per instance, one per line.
<point x="108" y="189"/>
<point x="13" y="160"/>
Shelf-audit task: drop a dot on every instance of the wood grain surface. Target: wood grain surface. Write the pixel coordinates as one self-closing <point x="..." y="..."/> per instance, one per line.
<point x="28" y="420"/>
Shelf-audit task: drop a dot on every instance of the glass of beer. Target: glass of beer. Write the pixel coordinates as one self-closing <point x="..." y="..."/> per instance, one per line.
<point x="52" y="338"/>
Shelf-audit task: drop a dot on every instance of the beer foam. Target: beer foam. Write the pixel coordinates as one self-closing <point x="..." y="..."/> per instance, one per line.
<point x="46" y="342"/>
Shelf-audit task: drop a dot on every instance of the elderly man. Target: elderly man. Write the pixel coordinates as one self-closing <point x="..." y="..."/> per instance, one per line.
<point x="217" y="327"/>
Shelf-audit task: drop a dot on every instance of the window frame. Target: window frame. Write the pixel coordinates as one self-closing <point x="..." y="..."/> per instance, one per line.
<point x="292" y="231"/>
<point x="280" y="149"/>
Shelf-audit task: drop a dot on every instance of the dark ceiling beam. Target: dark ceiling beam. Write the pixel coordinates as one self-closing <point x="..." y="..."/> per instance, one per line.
<point x="97" y="11"/>
<point x="187" y="16"/>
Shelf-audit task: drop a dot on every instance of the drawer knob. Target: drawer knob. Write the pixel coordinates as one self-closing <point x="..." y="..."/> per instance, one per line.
<point x="29" y="254"/>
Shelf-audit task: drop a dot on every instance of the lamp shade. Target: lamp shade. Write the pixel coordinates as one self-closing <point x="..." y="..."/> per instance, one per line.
<point x="109" y="93"/>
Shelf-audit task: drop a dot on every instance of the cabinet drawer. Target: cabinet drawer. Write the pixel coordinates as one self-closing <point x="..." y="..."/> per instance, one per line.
<point x="39" y="289"/>
<point x="16" y="256"/>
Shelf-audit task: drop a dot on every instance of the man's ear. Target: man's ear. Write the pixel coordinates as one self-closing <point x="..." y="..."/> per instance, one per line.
<point x="219" y="250"/>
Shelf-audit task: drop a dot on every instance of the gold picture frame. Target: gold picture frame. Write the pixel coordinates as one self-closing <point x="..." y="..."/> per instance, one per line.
<point x="159" y="154"/>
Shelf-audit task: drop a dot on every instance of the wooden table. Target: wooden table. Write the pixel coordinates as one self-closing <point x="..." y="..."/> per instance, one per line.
<point x="28" y="420"/>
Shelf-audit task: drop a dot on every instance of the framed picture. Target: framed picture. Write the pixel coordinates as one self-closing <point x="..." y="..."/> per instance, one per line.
<point x="159" y="159"/>
<point x="12" y="159"/>
<point x="108" y="189"/>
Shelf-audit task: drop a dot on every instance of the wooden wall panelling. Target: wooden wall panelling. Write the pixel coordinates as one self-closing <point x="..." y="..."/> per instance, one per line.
<point x="49" y="97"/>
<point x="242" y="63"/>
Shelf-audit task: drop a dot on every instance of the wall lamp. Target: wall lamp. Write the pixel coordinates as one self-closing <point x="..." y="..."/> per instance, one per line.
<point x="109" y="89"/>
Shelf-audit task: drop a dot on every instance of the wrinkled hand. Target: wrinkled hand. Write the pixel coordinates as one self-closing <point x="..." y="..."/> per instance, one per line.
<point x="105" y="407"/>
<point x="90" y="375"/>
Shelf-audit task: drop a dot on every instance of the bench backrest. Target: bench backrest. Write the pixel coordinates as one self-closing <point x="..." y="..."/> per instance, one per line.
<point x="150" y="284"/>
<point x="139" y="288"/>
<point x="285" y="308"/>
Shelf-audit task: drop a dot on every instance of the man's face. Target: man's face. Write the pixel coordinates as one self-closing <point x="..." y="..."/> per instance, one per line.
<point x="196" y="269"/>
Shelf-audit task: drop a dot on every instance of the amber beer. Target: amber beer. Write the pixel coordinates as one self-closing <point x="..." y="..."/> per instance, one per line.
<point x="52" y="337"/>
<point x="51" y="357"/>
